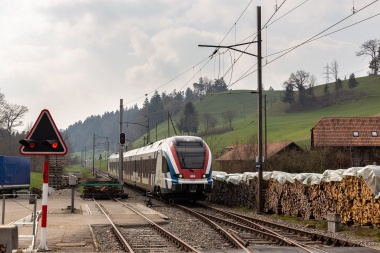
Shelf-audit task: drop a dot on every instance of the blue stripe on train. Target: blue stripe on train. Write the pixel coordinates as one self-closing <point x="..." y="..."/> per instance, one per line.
<point x="171" y="170"/>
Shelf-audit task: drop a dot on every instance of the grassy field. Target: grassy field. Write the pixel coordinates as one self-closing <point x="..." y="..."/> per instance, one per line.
<point x="71" y="168"/>
<point x="281" y="126"/>
<point x="36" y="178"/>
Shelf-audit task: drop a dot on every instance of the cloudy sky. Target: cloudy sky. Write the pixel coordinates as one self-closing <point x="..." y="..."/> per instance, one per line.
<point x="79" y="58"/>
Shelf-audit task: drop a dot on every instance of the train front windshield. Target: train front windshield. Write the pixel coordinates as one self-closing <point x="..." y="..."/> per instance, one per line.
<point x="191" y="155"/>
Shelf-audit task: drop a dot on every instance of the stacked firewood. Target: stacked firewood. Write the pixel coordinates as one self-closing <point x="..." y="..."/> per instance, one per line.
<point x="356" y="203"/>
<point x="351" y="198"/>
<point x="242" y="195"/>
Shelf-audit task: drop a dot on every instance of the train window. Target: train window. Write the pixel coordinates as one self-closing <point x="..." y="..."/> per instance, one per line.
<point x="137" y="167"/>
<point x="189" y="144"/>
<point x="146" y="170"/>
<point x="165" y="166"/>
<point x="191" y="156"/>
<point x="148" y="165"/>
<point x="130" y="167"/>
<point x="142" y="167"/>
<point x="153" y="161"/>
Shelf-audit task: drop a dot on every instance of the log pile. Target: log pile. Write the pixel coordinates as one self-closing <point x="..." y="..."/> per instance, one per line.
<point x="243" y="195"/>
<point x="351" y="198"/>
<point x="356" y="203"/>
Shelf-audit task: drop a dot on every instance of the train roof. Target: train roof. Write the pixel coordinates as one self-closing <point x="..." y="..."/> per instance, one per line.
<point x="157" y="145"/>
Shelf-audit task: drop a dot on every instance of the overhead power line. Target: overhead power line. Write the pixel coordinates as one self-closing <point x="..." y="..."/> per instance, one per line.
<point x="171" y="80"/>
<point x="192" y="68"/>
<point x="313" y="38"/>
<point x="268" y="23"/>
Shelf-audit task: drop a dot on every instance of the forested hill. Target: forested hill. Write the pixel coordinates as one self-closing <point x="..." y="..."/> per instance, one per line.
<point x="137" y="120"/>
<point x="225" y="117"/>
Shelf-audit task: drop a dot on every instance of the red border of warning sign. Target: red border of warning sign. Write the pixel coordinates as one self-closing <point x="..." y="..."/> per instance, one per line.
<point x="60" y="139"/>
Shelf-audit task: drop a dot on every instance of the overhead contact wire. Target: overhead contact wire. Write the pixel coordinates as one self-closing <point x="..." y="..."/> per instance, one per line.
<point x="312" y="39"/>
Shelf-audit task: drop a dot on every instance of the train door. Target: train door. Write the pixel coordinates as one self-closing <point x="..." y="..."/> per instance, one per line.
<point x="141" y="170"/>
<point x="135" y="171"/>
<point x="129" y="166"/>
<point x="159" y="177"/>
<point x="151" y="172"/>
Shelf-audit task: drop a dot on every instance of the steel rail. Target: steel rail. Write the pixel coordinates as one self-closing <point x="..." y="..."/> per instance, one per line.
<point x="125" y="244"/>
<point x="173" y="238"/>
<point x="102" y="173"/>
<point x="222" y="231"/>
<point x="313" y="236"/>
<point x="267" y="233"/>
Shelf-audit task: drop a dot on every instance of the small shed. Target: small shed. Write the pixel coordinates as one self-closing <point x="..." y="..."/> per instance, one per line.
<point x="242" y="158"/>
<point x="356" y="136"/>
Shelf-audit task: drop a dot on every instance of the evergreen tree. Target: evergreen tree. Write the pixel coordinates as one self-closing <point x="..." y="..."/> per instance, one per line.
<point x="288" y="95"/>
<point x="374" y="64"/>
<point x="156" y="111"/>
<point x="220" y="85"/>
<point x="189" y="123"/>
<point x="189" y="95"/>
<point x="338" y="85"/>
<point x="352" y="82"/>
<point x="208" y="87"/>
<point x="310" y="91"/>
<point x="326" y="91"/>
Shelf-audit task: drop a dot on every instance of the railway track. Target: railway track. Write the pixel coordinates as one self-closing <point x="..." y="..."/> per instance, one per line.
<point x="252" y="231"/>
<point x="146" y="238"/>
<point x="245" y="233"/>
<point x="242" y="232"/>
<point x="103" y="174"/>
<point x="231" y="231"/>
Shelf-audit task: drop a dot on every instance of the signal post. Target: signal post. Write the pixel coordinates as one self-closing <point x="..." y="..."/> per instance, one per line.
<point x="44" y="139"/>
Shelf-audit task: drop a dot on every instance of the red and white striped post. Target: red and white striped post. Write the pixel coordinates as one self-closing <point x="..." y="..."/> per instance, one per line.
<point x="45" y="189"/>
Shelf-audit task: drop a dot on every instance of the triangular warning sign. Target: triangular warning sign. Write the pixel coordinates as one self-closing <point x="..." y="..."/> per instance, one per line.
<point x="44" y="138"/>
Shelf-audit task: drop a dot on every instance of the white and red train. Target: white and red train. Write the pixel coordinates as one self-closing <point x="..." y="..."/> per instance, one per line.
<point x="178" y="167"/>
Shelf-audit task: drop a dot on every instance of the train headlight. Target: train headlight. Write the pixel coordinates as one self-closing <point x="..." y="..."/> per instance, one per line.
<point x="178" y="175"/>
<point x="204" y="175"/>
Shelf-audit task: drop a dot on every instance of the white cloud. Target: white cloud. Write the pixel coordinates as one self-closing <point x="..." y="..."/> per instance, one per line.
<point x="78" y="58"/>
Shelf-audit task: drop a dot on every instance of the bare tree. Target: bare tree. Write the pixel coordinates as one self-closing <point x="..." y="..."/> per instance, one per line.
<point x="209" y="121"/>
<point x="335" y="69"/>
<point x="371" y="48"/>
<point x="301" y="80"/>
<point x="229" y="116"/>
<point x="11" y="116"/>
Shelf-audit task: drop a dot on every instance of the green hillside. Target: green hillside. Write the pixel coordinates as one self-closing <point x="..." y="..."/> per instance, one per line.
<point x="281" y="126"/>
